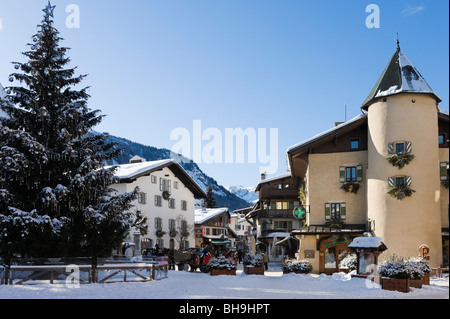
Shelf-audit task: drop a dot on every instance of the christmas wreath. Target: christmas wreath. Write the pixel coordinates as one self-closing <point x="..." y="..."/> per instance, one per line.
<point x="166" y="195"/>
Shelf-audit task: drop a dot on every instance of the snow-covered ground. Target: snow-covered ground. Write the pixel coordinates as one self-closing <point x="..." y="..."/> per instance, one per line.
<point x="185" y="285"/>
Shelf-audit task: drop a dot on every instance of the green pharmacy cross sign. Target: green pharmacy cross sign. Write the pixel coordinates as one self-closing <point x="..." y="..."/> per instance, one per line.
<point x="299" y="212"/>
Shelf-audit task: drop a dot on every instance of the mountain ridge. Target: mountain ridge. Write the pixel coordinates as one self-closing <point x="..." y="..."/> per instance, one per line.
<point x="223" y="196"/>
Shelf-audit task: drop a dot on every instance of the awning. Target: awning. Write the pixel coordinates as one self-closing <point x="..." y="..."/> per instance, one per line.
<point x="220" y="242"/>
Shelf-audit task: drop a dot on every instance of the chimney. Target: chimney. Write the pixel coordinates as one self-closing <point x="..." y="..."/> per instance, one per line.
<point x="137" y="159"/>
<point x="263" y="176"/>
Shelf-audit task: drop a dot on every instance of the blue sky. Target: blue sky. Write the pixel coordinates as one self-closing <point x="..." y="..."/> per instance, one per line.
<point x="155" y="66"/>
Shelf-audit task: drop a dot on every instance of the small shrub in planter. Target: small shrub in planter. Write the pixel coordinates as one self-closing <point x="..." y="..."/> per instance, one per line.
<point x="297" y="266"/>
<point x="396" y="275"/>
<point x="420" y="272"/>
<point x="349" y="262"/>
<point x="222" y="266"/>
<point x="253" y="264"/>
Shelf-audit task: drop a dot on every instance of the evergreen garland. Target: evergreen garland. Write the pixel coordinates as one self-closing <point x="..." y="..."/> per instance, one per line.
<point x="400" y="160"/>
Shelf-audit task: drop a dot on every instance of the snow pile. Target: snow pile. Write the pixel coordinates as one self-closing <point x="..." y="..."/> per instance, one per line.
<point x="222" y="263"/>
<point x="196" y="285"/>
<point x="302" y="266"/>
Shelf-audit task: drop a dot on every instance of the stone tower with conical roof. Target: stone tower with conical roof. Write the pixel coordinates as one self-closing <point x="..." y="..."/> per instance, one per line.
<point x="403" y="177"/>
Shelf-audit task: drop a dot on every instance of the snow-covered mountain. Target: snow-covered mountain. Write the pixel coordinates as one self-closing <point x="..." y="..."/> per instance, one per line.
<point x="246" y="193"/>
<point x="224" y="197"/>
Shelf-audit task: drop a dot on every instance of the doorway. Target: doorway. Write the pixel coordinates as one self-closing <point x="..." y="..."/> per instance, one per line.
<point x="332" y="252"/>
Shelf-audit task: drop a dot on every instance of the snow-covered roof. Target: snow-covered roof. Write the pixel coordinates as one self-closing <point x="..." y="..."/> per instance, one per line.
<point x="202" y="215"/>
<point x="130" y="172"/>
<point x="276" y="235"/>
<point x="327" y="132"/>
<point x="271" y="179"/>
<point x="400" y="75"/>
<point x="367" y="242"/>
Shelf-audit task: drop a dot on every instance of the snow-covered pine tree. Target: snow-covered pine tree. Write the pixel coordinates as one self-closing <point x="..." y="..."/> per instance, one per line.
<point x="56" y="199"/>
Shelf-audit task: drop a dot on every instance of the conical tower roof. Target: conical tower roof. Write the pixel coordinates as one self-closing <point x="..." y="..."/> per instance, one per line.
<point x="399" y="76"/>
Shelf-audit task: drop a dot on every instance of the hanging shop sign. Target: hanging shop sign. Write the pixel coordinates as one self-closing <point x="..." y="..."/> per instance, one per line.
<point x="299" y="212"/>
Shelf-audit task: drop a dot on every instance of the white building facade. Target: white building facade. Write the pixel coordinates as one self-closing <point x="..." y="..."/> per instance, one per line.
<point x="166" y="197"/>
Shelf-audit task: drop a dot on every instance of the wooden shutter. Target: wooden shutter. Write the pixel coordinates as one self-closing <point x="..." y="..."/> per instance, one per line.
<point x="290" y="205"/>
<point x="359" y="173"/>
<point x="443" y="171"/>
<point x="342" y="174"/>
<point x="408" y="180"/>
<point x="343" y="211"/>
<point x="391" y="181"/>
<point x="273" y="205"/>
<point x="391" y="148"/>
<point x="327" y="211"/>
<point x="408" y="147"/>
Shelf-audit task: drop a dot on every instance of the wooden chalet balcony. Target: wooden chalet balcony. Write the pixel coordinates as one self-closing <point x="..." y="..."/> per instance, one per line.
<point x="274" y="213"/>
<point x="279" y="193"/>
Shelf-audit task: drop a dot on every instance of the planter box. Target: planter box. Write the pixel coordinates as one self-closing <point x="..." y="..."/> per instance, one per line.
<point x="416" y="283"/>
<point x="426" y="279"/>
<point x="250" y="270"/>
<point x="218" y="272"/>
<point x="401" y="285"/>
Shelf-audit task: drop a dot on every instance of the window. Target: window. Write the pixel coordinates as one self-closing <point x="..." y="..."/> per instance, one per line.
<point x="175" y="185"/>
<point x="399" y="148"/>
<point x="142" y="198"/>
<point x="280" y="186"/>
<point x="354" y="144"/>
<point x="158" y="222"/>
<point x="183" y="205"/>
<point x="400" y="182"/>
<point x="350" y="174"/>
<point x="442" y="139"/>
<point x="158" y="200"/>
<point x="153" y="179"/>
<point x="287" y="225"/>
<point x="171" y="203"/>
<point x="444" y="171"/>
<point x="164" y="185"/>
<point x="172" y="224"/>
<point x="335" y="211"/>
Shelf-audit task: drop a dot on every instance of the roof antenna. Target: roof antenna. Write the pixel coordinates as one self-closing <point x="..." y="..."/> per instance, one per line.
<point x="346" y="109"/>
<point x="398" y="42"/>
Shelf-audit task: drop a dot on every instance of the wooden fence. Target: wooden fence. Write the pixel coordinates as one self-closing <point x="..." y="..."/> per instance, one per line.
<point x="106" y="271"/>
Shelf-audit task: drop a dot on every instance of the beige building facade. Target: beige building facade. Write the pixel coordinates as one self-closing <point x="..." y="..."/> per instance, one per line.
<point x="385" y="172"/>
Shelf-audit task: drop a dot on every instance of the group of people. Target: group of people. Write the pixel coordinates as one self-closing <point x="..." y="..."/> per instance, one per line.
<point x="238" y="255"/>
<point x="157" y="251"/>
